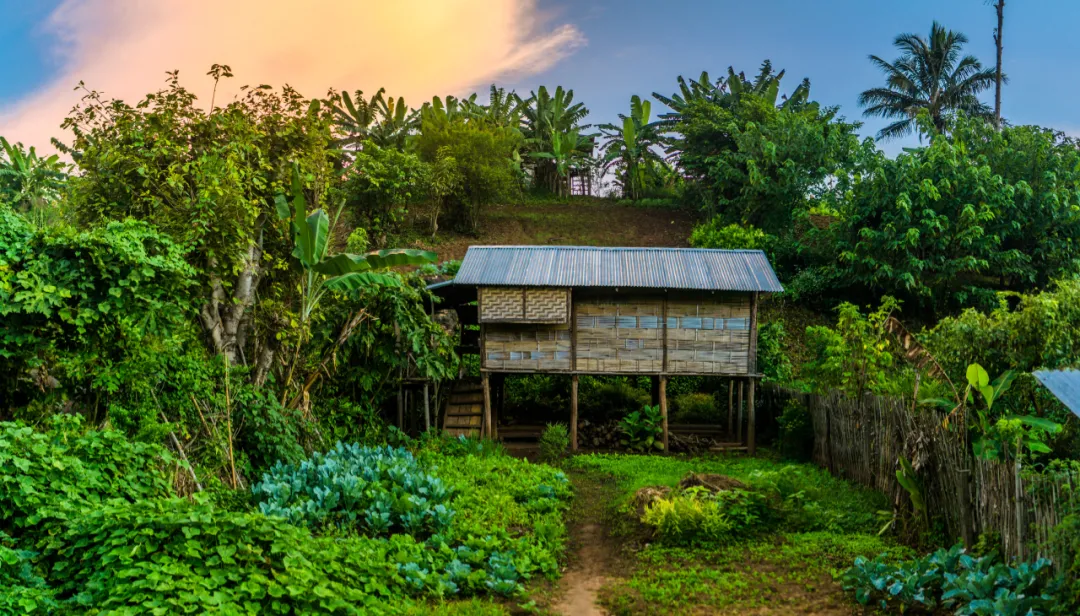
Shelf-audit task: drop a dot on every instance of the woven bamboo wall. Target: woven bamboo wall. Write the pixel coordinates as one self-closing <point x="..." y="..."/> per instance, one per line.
<point x="623" y="334"/>
<point x="709" y="335"/>
<point x="539" y="347"/>
<point x="524" y="305"/>
<point x="616" y="333"/>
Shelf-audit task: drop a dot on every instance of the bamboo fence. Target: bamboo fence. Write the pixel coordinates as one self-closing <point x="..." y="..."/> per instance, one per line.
<point x="862" y="440"/>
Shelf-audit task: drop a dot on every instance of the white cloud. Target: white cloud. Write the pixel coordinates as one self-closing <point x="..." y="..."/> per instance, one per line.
<point x="414" y="48"/>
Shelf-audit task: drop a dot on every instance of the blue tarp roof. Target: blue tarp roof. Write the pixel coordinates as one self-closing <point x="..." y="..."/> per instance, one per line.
<point x="643" y="268"/>
<point x="1064" y="384"/>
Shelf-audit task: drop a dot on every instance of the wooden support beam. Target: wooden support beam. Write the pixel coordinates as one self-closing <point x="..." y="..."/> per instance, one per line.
<point x="663" y="411"/>
<point x="730" y="407"/>
<point x="573" y="412"/>
<point x="750" y="419"/>
<point x="739" y="420"/>
<point x="500" y="380"/>
<point x="427" y="409"/>
<point x="485" y="385"/>
<point x="400" y="408"/>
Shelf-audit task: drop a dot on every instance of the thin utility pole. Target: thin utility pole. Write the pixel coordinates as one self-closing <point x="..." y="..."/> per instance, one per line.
<point x="999" y="6"/>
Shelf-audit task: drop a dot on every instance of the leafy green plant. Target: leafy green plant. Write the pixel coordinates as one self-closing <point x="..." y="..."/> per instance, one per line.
<point x="554" y="441"/>
<point x="699" y="517"/>
<point x="796" y="439"/>
<point x="22" y="589"/>
<point x="909" y="480"/>
<point x="855" y="356"/>
<point x="48" y="477"/>
<point x="953" y="579"/>
<point x="694" y="408"/>
<point x="642" y="430"/>
<point x="380" y="491"/>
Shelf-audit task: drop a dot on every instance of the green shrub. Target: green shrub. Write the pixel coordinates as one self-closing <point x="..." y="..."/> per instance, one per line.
<point x="957" y="581"/>
<point x="379" y="491"/>
<point x="554" y="441"/>
<point x="268" y="432"/>
<point x="796" y="439"/>
<point x="168" y="556"/>
<point x="694" y="408"/>
<point x="378" y="186"/>
<point x="604" y="401"/>
<point x="773" y="362"/>
<point x="642" y="430"/>
<point x="47" y="477"/>
<point x="699" y="517"/>
<point x="715" y="234"/>
<point x="22" y="590"/>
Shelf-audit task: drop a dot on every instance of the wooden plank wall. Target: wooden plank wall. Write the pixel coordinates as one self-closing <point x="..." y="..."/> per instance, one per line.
<point x="619" y="334"/>
<point x="709" y="335"/>
<point x="526" y="347"/>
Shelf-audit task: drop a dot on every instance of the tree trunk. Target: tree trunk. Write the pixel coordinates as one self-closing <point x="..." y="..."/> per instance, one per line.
<point x="999" y="6"/>
<point x="223" y="316"/>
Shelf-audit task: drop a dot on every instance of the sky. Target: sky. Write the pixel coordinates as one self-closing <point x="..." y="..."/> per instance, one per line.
<point x="605" y="50"/>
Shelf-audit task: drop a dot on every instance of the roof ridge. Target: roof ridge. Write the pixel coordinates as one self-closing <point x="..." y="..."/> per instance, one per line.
<point x="657" y="248"/>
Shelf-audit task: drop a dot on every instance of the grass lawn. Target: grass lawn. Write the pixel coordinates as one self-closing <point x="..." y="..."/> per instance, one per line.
<point x="788" y="568"/>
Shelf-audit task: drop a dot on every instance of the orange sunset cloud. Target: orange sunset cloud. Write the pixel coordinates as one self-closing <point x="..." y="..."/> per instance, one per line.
<point x="414" y="48"/>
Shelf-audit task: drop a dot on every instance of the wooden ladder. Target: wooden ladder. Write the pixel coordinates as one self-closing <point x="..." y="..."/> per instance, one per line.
<point x="465" y="409"/>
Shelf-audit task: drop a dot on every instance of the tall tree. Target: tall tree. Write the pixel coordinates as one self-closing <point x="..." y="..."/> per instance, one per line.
<point x="999" y="8"/>
<point x="930" y="74"/>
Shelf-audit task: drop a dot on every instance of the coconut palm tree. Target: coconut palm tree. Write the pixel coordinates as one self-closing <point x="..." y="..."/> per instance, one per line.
<point x="929" y="75"/>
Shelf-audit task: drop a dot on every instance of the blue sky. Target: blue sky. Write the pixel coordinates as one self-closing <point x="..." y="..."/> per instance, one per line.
<point x="639" y="46"/>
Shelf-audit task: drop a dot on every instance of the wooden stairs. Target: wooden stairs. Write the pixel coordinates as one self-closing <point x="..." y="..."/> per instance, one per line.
<point x="465" y="409"/>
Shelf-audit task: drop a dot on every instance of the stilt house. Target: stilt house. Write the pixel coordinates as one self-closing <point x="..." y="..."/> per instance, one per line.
<point x="660" y="312"/>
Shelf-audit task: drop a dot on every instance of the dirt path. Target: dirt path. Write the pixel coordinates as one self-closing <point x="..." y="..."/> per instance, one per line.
<point x="594" y="555"/>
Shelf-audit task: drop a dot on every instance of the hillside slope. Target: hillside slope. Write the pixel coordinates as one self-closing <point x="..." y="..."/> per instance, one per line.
<point x="587" y="223"/>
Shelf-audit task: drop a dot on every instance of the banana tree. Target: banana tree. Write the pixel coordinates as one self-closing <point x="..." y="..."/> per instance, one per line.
<point x="629" y="147"/>
<point x="355" y="119"/>
<point x="323" y="272"/>
<point x="28" y="182"/>
<point x="566" y="149"/>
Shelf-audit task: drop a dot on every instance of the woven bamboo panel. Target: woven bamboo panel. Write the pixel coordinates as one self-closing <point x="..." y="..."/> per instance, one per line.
<point x="540" y="347"/>
<point x="548" y="305"/>
<point x="709" y="335"/>
<point x="623" y="335"/>
<point x="524" y="305"/>
<point x="501" y="303"/>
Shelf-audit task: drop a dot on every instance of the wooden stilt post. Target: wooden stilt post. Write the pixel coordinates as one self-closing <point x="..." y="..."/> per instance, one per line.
<point x="750" y="419"/>
<point x="400" y="408"/>
<point x="485" y="385"/>
<point x="427" y="409"/>
<point x="739" y="422"/>
<point x="663" y="410"/>
<point x="573" y="412"/>
<point x="499" y="380"/>
<point x="730" y="408"/>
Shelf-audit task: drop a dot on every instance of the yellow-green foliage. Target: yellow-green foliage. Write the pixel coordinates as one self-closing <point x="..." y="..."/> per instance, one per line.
<point x="685" y="519"/>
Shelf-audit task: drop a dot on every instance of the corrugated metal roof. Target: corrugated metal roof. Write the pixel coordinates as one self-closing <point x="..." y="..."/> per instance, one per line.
<point x="1064" y="384"/>
<point x="644" y="268"/>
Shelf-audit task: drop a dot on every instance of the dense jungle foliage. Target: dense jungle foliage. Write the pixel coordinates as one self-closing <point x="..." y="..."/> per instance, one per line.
<point x="207" y="311"/>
